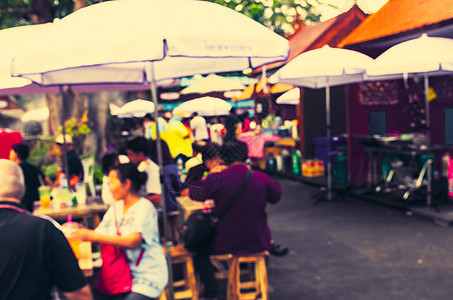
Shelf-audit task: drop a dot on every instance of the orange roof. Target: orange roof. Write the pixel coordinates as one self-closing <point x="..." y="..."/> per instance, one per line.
<point x="399" y="16"/>
<point x="331" y="32"/>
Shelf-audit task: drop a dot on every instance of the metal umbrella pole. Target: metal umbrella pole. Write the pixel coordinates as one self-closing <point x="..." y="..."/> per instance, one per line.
<point x="428" y="137"/>
<point x="161" y="174"/>
<point x="328" y="143"/>
<point x="63" y="131"/>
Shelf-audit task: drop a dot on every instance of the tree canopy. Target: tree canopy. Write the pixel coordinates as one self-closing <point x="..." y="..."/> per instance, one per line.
<point x="278" y="15"/>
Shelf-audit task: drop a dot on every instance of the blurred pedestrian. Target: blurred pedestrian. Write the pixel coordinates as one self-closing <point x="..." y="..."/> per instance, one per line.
<point x="244" y="229"/>
<point x="136" y="220"/>
<point x="75" y="167"/>
<point x="199" y="127"/>
<point x="35" y="255"/>
<point x="33" y="176"/>
<point x="137" y="151"/>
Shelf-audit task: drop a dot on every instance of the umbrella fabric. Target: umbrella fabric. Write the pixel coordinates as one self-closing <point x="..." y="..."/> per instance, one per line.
<point x="16" y="41"/>
<point x="39" y="114"/>
<point x="432" y="55"/>
<point x="290" y="97"/>
<point x="135" y="109"/>
<point x="213" y="83"/>
<point x="324" y="67"/>
<point x="192" y="38"/>
<point x="205" y="106"/>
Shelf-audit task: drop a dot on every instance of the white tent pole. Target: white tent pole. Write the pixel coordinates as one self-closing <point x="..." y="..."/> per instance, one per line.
<point x="328" y="146"/>
<point x="161" y="175"/>
<point x="63" y="132"/>
<point x="428" y="121"/>
<point x="428" y="137"/>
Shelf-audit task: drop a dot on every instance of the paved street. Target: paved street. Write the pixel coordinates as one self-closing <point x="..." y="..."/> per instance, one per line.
<point x="356" y="250"/>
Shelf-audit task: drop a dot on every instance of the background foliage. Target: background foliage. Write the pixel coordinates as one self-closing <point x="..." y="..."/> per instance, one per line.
<point x="278" y="15"/>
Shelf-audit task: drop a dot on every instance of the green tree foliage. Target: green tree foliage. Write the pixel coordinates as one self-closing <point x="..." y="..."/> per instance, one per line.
<point x="278" y="15"/>
<point x="25" y="12"/>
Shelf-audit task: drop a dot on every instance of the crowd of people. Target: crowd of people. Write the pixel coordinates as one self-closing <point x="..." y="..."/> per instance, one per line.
<point x="214" y="164"/>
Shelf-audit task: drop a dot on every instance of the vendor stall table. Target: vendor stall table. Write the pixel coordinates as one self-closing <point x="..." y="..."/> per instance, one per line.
<point x="93" y="209"/>
<point x="376" y="149"/>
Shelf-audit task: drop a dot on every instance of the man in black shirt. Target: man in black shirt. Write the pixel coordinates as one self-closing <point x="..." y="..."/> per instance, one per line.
<point x="35" y="255"/>
<point x="74" y="163"/>
<point x="33" y="175"/>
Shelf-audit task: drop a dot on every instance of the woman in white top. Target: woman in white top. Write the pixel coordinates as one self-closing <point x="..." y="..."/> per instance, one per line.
<point x="137" y="221"/>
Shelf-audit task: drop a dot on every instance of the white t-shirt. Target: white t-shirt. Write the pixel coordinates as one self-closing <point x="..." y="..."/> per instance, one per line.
<point x="216" y="133"/>
<point x="152" y="185"/>
<point x="199" y="128"/>
<point x="151" y="274"/>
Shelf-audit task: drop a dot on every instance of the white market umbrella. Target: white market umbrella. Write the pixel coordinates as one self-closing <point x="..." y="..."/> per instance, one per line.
<point x="135" y="109"/>
<point x="204" y="106"/>
<point x="424" y="56"/>
<point x="291" y="97"/>
<point x="39" y="114"/>
<point x="142" y="41"/>
<point x="138" y="41"/>
<point x="213" y="83"/>
<point x="21" y="40"/>
<point x="323" y="68"/>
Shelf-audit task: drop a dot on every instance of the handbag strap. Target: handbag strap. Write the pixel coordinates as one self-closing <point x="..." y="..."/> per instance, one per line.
<point x="236" y="196"/>
<point x="116" y="221"/>
<point x="142" y="251"/>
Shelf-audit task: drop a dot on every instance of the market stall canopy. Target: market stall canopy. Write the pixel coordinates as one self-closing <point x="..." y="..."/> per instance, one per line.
<point x="290" y="97"/>
<point x="431" y="55"/>
<point x="213" y="83"/>
<point x="324" y="67"/>
<point x="257" y="89"/>
<point x="205" y="106"/>
<point x="398" y="21"/>
<point x="134" y="109"/>
<point x="17" y="40"/>
<point x="113" y="32"/>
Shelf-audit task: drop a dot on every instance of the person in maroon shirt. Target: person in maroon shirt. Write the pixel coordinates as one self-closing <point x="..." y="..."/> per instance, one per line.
<point x="244" y="229"/>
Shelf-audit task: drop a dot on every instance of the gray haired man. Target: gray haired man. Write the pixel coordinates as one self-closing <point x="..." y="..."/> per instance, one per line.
<point x="35" y="255"/>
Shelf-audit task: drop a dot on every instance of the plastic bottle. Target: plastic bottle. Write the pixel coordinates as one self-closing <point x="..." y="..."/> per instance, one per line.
<point x="296" y="157"/>
<point x="180" y="165"/>
<point x="340" y="174"/>
<point x="63" y="181"/>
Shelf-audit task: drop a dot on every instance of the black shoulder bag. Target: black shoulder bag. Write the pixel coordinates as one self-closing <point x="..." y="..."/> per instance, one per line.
<point x="199" y="229"/>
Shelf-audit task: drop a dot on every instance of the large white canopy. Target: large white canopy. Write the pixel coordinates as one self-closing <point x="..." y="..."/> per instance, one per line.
<point x="115" y="41"/>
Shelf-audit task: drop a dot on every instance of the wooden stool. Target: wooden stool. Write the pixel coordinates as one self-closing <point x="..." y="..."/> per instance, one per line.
<point x="256" y="286"/>
<point x="186" y="288"/>
<point x="222" y="265"/>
